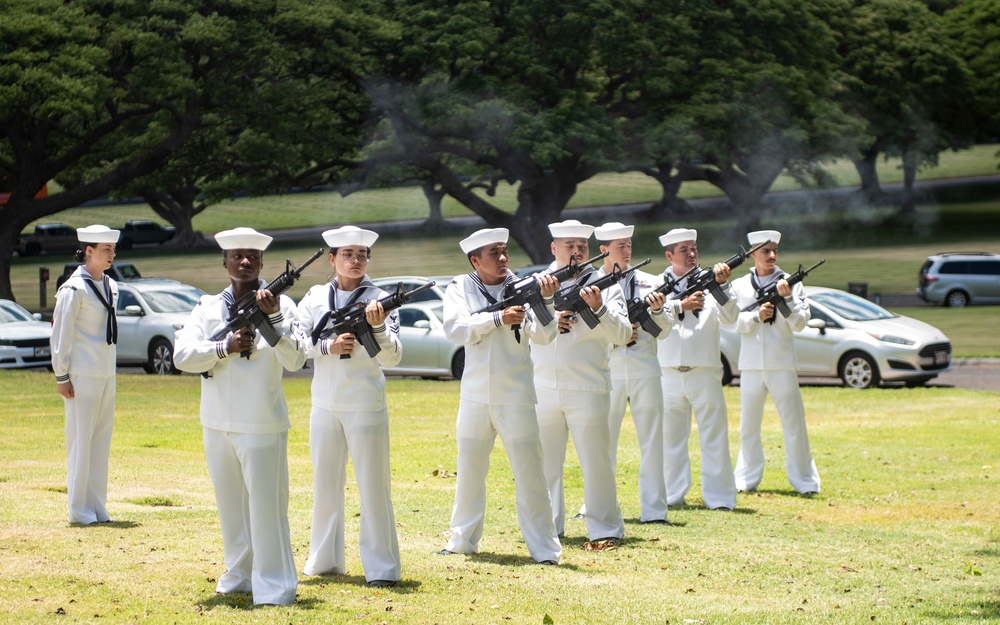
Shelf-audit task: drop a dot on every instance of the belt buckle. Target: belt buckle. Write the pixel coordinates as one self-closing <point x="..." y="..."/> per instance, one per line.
<point x="684" y="369"/>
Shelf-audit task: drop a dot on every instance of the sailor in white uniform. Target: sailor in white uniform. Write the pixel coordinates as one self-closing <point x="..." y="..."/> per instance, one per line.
<point x="635" y="374"/>
<point x="767" y="365"/>
<point x="572" y="378"/>
<point x="84" y="338"/>
<point x="497" y="397"/>
<point x="245" y="421"/>
<point x="350" y="414"/>
<point x="692" y="380"/>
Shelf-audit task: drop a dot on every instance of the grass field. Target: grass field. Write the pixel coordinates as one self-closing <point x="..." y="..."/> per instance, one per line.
<point x="906" y="529"/>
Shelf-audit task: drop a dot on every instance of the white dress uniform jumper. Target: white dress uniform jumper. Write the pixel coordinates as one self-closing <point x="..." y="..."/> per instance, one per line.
<point x="497" y="397"/>
<point x="350" y="416"/>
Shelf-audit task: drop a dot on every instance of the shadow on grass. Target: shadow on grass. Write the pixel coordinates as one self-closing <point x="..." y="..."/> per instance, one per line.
<point x="403" y="586"/>
<point x="507" y="559"/>
<point x="653" y="524"/>
<point x="105" y="525"/>
<point x="244" y="601"/>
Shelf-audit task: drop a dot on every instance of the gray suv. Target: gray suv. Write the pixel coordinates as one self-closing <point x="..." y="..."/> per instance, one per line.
<point x="960" y="278"/>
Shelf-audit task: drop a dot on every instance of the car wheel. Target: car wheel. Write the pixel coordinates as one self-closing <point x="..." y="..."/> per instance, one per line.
<point x="727" y="372"/>
<point x="858" y="370"/>
<point x="956" y="299"/>
<point x="458" y="364"/>
<point x="161" y="358"/>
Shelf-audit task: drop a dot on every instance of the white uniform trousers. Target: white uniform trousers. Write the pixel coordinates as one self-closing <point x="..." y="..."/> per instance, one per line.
<point x="698" y="390"/>
<point x="90" y="418"/>
<point x="644" y="397"/>
<point x="784" y="388"/>
<point x="365" y="435"/>
<point x="477" y="428"/>
<point x="250" y="475"/>
<point x="585" y="415"/>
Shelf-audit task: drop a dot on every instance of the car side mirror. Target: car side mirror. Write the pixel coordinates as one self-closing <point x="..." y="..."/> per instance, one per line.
<point x="134" y="311"/>
<point x="818" y="324"/>
<point x="37" y="316"/>
<point x="423" y="324"/>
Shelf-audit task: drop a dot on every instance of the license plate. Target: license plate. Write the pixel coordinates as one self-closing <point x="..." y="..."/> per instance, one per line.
<point x="941" y="358"/>
<point x="43" y="351"/>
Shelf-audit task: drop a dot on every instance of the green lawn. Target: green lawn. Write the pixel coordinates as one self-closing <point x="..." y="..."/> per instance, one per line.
<point x="905" y="530"/>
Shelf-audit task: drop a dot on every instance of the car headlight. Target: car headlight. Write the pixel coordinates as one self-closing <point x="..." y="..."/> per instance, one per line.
<point x="890" y="338"/>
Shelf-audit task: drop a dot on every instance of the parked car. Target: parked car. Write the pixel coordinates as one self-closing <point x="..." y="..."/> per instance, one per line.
<point x="149" y="311"/>
<point x="861" y="343"/>
<point x="426" y="351"/>
<point x="141" y="232"/>
<point x="959" y="279"/>
<point x="435" y="293"/>
<point x="47" y="238"/>
<point x="24" y="338"/>
<point x="118" y="271"/>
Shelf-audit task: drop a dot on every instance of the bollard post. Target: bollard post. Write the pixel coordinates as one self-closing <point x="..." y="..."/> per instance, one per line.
<point x="43" y="278"/>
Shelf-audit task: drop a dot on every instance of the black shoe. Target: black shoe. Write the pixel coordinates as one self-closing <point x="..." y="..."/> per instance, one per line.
<point x="655" y="522"/>
<point x="444" y="552"/>
<point x="579" y="517"/>
<point x="611" y="539"/>
<point x="722" y="508"/>
<point x="810" y="493"/>
<point x="549" y="562"/>
<point x="382" y="583"/>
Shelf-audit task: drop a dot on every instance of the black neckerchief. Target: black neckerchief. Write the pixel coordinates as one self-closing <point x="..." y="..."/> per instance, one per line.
<point x="108" y="303"/>
<point x="677" y="288"/>
<point x="332" y="295"/>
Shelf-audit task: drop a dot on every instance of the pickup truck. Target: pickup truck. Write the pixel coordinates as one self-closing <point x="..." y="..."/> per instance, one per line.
<point x="140" y="232"/>
<point x="117" y="271"/>
<point x="47" y="238"/>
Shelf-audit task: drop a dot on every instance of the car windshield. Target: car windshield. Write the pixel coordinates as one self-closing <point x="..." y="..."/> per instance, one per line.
<point x="851" y="306"/>
<point x="11" y="313"/>
<point x="173" y="301"/>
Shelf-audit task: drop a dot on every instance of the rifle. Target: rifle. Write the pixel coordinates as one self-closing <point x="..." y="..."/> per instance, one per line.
<point x="526" y="291"/>
<point x="638" y="308"/>
<point x="771" y="295"/>
<point x="705" y="281"/>
<point x="246" y="312"/>
<point x="352" y="319"/>
<point x="569" y="298"/>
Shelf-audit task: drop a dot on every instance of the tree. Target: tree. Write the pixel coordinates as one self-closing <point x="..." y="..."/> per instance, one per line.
<point x="901" y="77"/>
<point x="736" y="94"/>
<point x="974" y="30"/>
<point x="517" y="90"/>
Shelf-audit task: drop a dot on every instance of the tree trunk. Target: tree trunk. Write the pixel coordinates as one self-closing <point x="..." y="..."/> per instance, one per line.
<point x="908" y="207"/>
<point x="867" y="168"/>
<point x="669" y="205"/>
<point x="435" y="222"/>
<point x="179" y="208"/>
<point x="8" y="233"/>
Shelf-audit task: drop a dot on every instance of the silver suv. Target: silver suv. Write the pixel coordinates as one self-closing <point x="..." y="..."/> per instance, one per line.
<point x="960" y="278"/>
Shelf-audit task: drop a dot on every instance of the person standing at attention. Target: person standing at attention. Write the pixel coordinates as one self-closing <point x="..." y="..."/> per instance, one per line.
<point x="84" y="338"/>
<point x="245" y="421"/>
<point x="573" y="379"/>
<point x="767" y="365"/>
<point x="350" y="414"/>
<point x="692" y="380"/>
<point x="497" y="396"/>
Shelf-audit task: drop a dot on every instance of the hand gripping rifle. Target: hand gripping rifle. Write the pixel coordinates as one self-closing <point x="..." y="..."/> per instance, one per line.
<point x="352" y="319"/>
<point x="569" y="298"/>
<point x="246" y="312"/>
<point x="638" y="308"/>
<point x="526" y="291"/>
<point x="705" y="281"/>
<point x="771" y="295"/>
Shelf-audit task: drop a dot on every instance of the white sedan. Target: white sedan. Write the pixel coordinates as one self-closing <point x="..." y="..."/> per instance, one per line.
<point x="149" y="311"/>
<point x="24" y="338"/>
<point x="426" y="351"/>
<point x="859" y="342"/>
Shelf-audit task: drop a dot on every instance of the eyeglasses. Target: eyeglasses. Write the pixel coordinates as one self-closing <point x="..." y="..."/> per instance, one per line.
<point x="361" y="258"/>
